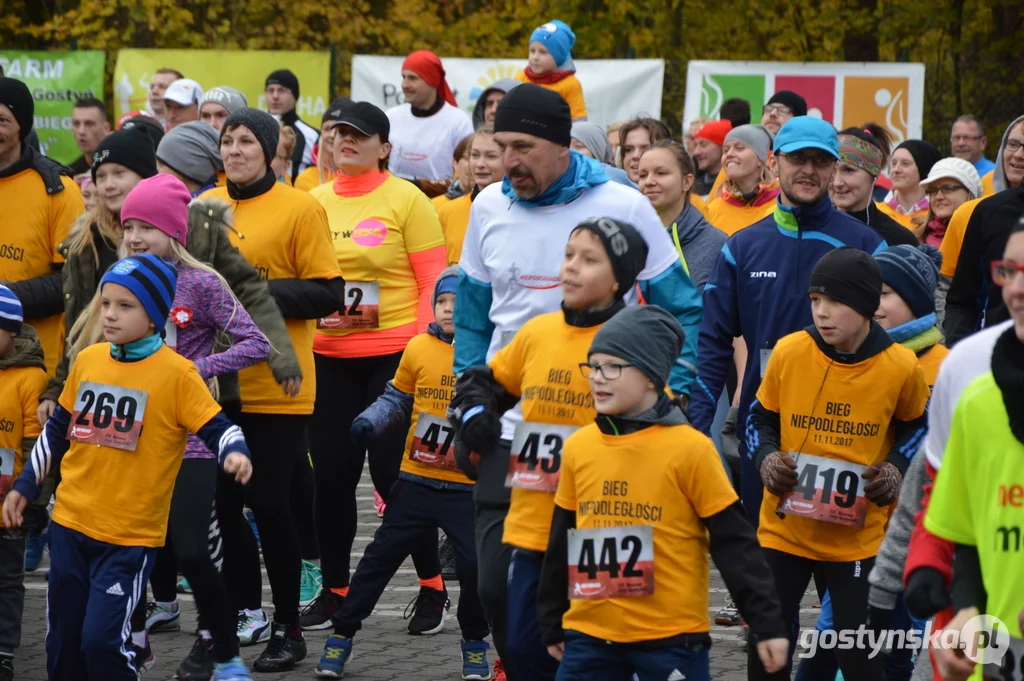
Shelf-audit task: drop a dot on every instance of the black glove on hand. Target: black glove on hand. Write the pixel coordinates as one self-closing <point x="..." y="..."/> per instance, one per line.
<point x="886" y="481"/>
<point x="879" y="619"/>
<point x="481" y="431"/>
<point x="778" y="471"/>
<point x="361" y="432"/>
<point x="926" y="593"/>
<point x="466" y="458"/>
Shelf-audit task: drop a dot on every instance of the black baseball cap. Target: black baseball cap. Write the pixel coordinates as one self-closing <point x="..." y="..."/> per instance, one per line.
<point x="366" y="118"/>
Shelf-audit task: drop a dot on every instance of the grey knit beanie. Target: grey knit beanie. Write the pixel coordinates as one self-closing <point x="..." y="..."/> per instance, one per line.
<point x="593" y="137"/>
<point x="754" y="136"/>
<point x="193" y="150"/>
<point x="646" y="336"/>
<point x="228" y="97"/>
<point x="447" y="282"/>
<point x="264" y="126"/>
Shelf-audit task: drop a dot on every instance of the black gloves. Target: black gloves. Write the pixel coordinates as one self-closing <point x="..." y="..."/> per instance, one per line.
<point x="361" y="432"/>
<point x="926" y="593"/>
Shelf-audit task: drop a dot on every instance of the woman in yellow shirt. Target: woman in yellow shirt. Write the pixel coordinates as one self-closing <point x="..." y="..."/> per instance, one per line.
<point x="748" y="195"/>
<point x="485" y="167"/>
<point x="283" y="233"/>
<point x="388" y="242"/>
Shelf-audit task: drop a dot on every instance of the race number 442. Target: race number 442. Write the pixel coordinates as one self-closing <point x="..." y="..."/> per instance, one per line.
<point x="611" y="562"/>
<point x="828" y="490"/>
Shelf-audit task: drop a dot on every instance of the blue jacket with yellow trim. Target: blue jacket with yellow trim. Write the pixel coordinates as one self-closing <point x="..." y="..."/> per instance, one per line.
<point x="758" y="291"/>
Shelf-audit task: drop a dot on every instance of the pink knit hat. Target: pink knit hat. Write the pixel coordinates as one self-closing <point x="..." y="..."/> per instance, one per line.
<point x="161" y="201"/>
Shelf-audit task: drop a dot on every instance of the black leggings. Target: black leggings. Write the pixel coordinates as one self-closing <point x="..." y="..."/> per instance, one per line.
<point x="345" y="387"/>
<point x="277" y="443"/>
<point x="301" y="503"/>
<point x="194" y="544"/>
<point x="848" y="585"/>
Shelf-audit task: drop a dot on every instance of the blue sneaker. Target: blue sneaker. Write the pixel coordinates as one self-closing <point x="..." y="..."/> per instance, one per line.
<point x="255" y="530"/>
<point x="474" y="660"/>
<point x="232" y="670"/>
<point x="34" y="547"/>
<point x="337" y="651"/>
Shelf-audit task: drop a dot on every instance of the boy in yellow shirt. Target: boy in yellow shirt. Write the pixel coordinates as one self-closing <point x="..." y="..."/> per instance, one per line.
<point x="116" y="476"/>
<point x="624" y="587"/>
<point x="22" y="380"/>
<point x="839" y="414"/>
<point x="431" y="492"/>
<point x="551" y="65"/>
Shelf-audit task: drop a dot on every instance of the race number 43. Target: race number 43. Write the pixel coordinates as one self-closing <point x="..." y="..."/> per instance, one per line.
<point x="108" y="415"/>
<point x="6" y="471"/>
<point x="361" y="311"/>
<point x="433" y="442"/>
<point x="611" y="562"/>
<point x="827" y="490"/>
<point x="535" y="459"/>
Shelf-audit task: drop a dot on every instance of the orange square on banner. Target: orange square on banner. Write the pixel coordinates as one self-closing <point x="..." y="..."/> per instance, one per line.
<point x="877" y="100"/>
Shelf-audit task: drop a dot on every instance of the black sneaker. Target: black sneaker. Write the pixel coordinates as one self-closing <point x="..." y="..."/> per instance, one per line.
<point x="144" y="657"/>
<point x="198" y="666"/>
<point x="428" y="611"/>
<point x="317" y="615"/>
<point x="6" y="668"/>
<point x="283" y="651"/>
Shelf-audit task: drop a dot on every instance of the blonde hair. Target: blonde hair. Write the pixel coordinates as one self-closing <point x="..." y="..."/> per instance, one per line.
<point x="288" y="137"/>
<point x="81" y="236"/>
<point x="325" y="164"/>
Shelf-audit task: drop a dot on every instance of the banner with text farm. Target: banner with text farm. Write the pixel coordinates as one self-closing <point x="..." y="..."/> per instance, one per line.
<point x="246" y="70"/>
<point x="615" y="89"/>
<point x="842" y="93"/>
<point x="56" y="80"/>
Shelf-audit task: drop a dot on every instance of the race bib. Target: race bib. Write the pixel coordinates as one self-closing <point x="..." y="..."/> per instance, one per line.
<point x="6" y="470"/>
<point x="766" y="354"/>
<point x="171" y="335"/>
<point x="108" y="415"/>
<point x="362" y="308"/>
<point x="611" y="562"/>
<point x="536" y="456"/>
<point x="433" y="442"/>
<point x="1011" y="667"/>
<point x="827" y="490"/>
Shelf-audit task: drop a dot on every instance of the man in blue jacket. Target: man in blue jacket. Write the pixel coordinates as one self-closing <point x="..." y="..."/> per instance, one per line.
<point x="758" y="286"/>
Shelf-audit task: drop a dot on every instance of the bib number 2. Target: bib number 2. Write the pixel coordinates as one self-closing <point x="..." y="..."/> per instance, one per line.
<point x="107" y="415"/>
<point x="361" y="311"/>
<point x="827" y="490"/>
<point x="611" y="562"/>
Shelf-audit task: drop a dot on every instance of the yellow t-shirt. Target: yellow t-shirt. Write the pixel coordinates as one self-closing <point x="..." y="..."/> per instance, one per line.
<point x="668" y="477"/>
<point x="439" y="201"/>
<point x="541" y="365"/>
<point x="717" y="186"/>
<point x="699" y="203"/>
<point x="953" y="240"/>
<point x="308" y="179"/>
<point x="454" y="218"/>
<point x="730" y="218"/>
<point x="34" y="223"/>
<point x="571" y="90"/>
<point x="931" y="361"/>
<point x="836" y="411"/>
<point x="373" y="237"/>
<point x="425" y="372"/>
<point x="988" y="184"/>
<point x="124" y="497"/>
<point x="284" y="235"/>
<point x="905" y="219"/>
<point x="20" y="388"/>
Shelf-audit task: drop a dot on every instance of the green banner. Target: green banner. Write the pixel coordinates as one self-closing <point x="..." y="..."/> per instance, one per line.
<point x="56" y="80"/>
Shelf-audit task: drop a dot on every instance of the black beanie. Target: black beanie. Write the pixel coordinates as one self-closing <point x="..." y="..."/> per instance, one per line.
<point x="15" y="96"/>
<point x="537" y="111"/>
<point x="266" y="129"/>
<point x="925" y="155"/>
<point x="336" y="109"/>
<point x="284" y="78"/>
<point x="796" y="103"/>
<point x="850" y="276"/>
<point x="131" y="148"/>
<point x="148" y="125"/>
<point x="646" y="336"/>
<point x="626" y="249"/>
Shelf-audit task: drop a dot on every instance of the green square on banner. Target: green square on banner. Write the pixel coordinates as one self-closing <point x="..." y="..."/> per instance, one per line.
<point x="715" y="89"/>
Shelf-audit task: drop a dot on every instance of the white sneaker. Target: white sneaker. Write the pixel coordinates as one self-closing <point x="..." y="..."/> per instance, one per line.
<point x="162" y="618"/>
<point x="252" y="628"/>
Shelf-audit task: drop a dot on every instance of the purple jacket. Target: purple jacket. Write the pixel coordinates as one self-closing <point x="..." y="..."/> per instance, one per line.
<point x="202" y="308"/>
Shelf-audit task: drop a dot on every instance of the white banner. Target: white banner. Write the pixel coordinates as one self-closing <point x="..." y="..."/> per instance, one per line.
<point x="843" y="93"/>
<point x="615" y="89"/>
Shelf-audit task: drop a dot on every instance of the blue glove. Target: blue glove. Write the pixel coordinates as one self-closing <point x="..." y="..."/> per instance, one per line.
<point x="361" y="432"/>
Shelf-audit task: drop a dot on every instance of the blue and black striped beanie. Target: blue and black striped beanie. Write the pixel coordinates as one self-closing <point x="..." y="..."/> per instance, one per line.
<point x="151" y="279"/>
<point x="11" y="313"/>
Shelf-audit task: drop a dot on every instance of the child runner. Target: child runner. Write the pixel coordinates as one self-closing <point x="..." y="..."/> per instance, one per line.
<point x="431" y="491"/>
<point x="838" y="416"/>
<point x="538" y="369"/>
<point x="22" y="379"/>
<point x="624" y="588"/>
<point x="100" y="559"/>
<point x="155" y="220"/>
<point x="551" y="65"/>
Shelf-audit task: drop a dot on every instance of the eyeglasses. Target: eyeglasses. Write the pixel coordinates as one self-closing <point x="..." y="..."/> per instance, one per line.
<point x="777" y="109"/>
<point x="965" y="138"/>
<point x="1011" y="146"/>
<point x="946" y="189"/>
<point x="1005" y="271"/>
<point x="799" y="159"/>
<point x="610" y="370"/>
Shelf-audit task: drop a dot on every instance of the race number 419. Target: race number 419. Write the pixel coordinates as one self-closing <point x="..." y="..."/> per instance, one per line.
<point x="828" y="490"/>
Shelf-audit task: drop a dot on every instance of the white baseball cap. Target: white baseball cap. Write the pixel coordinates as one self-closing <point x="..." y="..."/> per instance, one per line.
<point x="184" y="91"/>
<point x="957" y="169"/>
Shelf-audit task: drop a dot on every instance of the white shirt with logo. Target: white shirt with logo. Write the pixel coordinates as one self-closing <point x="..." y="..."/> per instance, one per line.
<point x="422" y="147"/>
